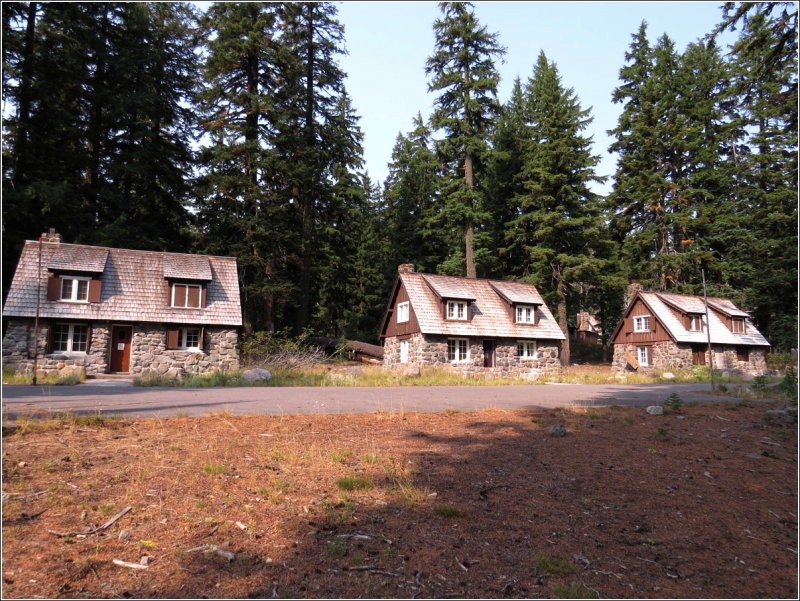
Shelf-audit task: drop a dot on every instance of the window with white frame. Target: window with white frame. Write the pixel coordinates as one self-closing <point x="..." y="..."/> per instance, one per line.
<point x="75" y="289"/>
<point x="402" y="312"/>
<point x="404" y="351"/>
<point x="526" y="314"/>
<point x="188" y="296"/>
<point x="456" y="310"/>
<point x="188" y="338"/>
<point x="737" y="325"/>
<point x="695" y="323"/>
<point x="643" y="355"/>
<point x="457" y="350"/>
<point x="641" y="323"/>
<point x="526" y="349"/>
<point x="70" y="338"/>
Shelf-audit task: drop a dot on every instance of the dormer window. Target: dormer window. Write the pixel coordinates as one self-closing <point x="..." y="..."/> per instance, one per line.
<point x="641" y="323"/>
<point x="526" y="314"/>
<point x="737" y="325"/>
<point x="457" y="310"/>
<point x="403" y="312"/>
<point x="75" y="289"/>
<point x="187" y="296"/>
<point x="695" y="323"/>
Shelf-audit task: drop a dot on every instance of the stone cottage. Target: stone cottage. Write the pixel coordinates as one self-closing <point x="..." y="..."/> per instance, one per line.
<point x="473" y="326"/>
<point x="116" y="311"/>
<point x="661" y="331"/>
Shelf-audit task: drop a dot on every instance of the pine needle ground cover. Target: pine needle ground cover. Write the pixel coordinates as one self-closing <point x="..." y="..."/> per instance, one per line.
<point x="698" y="503"/>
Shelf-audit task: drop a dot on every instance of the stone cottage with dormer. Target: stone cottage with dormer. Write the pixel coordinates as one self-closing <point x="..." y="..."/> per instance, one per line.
<point x="473" y="326"/>
<point x="104" y="310"/>
<point x="661" y="331"/>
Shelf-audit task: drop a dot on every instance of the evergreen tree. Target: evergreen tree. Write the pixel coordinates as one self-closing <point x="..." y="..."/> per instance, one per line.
<point x="411" y="196"/>
<point x="97" y="144"/>
<point x="462" y="70"/>
<point x="559" y="228"/>
<point x="763" y="232"/>
<point x="315" y="145"/>
<point x="239" y="211"/>
<point x="504" y="182"/>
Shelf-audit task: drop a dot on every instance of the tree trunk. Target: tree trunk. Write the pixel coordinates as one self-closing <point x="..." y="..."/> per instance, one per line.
<point x="469" y="231"/>
<point x="26" y="81"/>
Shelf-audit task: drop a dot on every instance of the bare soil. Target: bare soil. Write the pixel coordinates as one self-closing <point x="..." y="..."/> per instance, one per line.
<point x="700" y="503"/>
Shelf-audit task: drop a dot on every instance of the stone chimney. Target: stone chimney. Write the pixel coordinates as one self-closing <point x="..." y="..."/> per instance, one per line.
<point x="51" y="236"/>
<point x="405" y="268"/>
<point x="634" y="287"/>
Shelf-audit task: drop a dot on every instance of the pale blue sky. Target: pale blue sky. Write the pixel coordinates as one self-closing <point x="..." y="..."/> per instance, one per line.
<point x="388" y="44"/>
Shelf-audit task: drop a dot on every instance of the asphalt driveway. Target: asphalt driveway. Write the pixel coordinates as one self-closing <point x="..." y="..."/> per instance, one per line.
<point x="120" y="398"/>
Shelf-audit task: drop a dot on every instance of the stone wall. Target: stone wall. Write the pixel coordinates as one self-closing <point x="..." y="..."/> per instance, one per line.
<point x="150" y="357"/>
<point x="148" y="351"/>
<point x="671" y="356"/>
<point x="427" y="350"/>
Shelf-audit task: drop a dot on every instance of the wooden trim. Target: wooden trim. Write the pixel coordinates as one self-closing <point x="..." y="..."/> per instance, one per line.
<point x="200" y="338"/>
<point x="173" y="334"/>
<point x="203" y="295"/>
<point x="88" y="338"/>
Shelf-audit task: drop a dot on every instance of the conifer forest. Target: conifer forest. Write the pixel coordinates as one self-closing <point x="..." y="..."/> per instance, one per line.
<point x="156" y="126"/>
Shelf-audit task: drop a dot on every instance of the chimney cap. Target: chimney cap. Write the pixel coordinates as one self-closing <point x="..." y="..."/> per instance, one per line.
<point x="50" y="236"/>
<point x="405" y="268"/>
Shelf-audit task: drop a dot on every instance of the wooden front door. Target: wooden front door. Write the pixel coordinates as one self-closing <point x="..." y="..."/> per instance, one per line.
<point x="488" y="353"/>
<point x="120" y="348"/>
<point x="699" y="354"/>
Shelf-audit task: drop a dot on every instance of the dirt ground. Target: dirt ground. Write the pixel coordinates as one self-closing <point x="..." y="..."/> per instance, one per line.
<point x="698" y="503"/>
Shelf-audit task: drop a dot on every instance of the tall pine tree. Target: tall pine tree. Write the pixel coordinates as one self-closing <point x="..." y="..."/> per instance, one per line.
<point x="559" y="228"/>
<point x="462" y="70"/>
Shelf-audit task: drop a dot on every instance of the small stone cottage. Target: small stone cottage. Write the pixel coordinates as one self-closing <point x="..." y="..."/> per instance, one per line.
<point x="102" y="310"/>
<point x="661" y="331"/>
<point x="475" y="327"/>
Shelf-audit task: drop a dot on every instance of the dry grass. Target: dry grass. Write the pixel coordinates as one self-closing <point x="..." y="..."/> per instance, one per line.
<point x="399" y="505"/>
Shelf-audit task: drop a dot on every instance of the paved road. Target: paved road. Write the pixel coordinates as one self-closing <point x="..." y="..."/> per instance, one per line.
<point x="120" y="398"/>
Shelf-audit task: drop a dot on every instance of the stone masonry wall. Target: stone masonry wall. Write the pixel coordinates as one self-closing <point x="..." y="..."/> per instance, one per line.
<point x="432" y="351"/>
<point x="148" y="351"/>
<point x="669" y="355"/>
<point x="150" y="357"/>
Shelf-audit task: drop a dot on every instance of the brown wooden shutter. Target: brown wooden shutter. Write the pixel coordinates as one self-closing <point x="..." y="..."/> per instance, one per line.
<point x="172" y="338"/>
<point x="194" y="296"/>
<point x="53" y="288"/>
<point x="48" y="348"/>
<point x="200" y="338"/>
<point x="204" y="295"/>
<point x="89" y="337"/>
<point x="180" y="295"/>
<point x="95" y="288"/>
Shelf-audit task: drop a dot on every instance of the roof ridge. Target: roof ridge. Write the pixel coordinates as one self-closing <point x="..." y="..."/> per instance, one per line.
<point x="133" y="250"/>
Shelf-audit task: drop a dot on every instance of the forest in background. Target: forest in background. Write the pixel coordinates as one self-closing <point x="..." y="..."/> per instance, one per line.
<point x="154" y="126"/>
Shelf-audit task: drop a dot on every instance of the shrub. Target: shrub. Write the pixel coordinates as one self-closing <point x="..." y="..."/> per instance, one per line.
<point x="575" y="591"/>
<point x="674" y="402"/>
<point x="554" y="565"/>
<point x="448" y="512"/>
<point x="279" y="349"/>
<point x="351" y="483"/>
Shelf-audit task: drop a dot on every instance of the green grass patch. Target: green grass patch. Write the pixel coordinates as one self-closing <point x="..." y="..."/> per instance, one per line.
<point x="216" y="469"/>
<point x="554" y="565"/>
<point x="353" y="483"/>
<point x="575" y="590"/>
<point x="12" y="376"/>
<point x="446" y="511"/>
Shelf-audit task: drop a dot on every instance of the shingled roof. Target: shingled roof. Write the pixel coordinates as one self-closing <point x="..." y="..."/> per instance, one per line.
<point x="659" y="303"/>
<point x="492" y="317"/>
<point x="135" y="285"/>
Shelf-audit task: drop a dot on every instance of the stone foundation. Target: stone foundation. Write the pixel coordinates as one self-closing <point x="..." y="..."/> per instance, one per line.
<point x="427" y="350"/>
<point x="668" y="356"/>
<point x="148" y="351"/>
